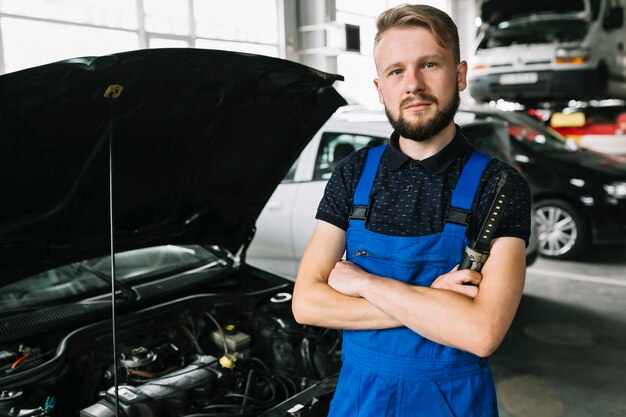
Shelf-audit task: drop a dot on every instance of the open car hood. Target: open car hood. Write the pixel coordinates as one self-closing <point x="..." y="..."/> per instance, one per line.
<point x="200" y="139"/>
<point x="495" y="11"/>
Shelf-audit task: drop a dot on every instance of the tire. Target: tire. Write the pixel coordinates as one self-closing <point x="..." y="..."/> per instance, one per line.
<point x="561" y="229"/>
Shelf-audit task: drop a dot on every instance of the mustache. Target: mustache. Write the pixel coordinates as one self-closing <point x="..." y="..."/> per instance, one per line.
<point x="423" y="98"/>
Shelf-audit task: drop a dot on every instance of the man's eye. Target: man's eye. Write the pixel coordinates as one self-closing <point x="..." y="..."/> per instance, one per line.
<point x="396" y="72"/>
<point x="430" y="65"/>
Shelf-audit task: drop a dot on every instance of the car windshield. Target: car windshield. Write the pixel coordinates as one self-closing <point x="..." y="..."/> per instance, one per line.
<point x="534" y="32"/>
<point x="490" y="138"/>
<point x="528" y="131"/>
<point x="76" y="279"/>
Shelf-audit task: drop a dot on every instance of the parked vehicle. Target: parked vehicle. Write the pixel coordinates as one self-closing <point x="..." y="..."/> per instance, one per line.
<point x="549" y="50"/>
<point x="288" y="220"/>
<point x="195" y="142"/>
<point x="579" y="195"/>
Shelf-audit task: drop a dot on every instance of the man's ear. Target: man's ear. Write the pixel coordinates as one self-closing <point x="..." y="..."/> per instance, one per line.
<point x="461" y="75"/>
<point x="381" y="99"/>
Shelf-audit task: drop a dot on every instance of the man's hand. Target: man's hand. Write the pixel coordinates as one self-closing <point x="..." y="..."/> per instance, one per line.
<point x="453" y="281"/>
<point x="348" y="278"/>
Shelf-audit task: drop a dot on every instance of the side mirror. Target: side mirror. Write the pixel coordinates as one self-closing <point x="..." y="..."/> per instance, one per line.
<point x="614" y="18"/>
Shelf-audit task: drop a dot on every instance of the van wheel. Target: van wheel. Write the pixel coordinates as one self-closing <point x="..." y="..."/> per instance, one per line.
<point x="561" y="229"/>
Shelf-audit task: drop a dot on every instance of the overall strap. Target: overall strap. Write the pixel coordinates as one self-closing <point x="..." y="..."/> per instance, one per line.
<point x="361" y="199"/>
<point x="459" y="210"/>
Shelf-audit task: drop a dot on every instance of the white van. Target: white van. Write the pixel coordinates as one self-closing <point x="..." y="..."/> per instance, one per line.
<point x="549" y="50"/>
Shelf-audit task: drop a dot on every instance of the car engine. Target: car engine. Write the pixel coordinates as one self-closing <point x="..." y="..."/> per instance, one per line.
<point x="203" y="355"/>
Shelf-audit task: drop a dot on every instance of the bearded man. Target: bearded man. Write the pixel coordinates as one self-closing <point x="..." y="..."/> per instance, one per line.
<point x="416" y="337"/>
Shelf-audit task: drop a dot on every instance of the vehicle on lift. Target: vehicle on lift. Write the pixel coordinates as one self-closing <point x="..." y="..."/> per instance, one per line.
<point x="549" y="50"/>
<point x="579" y="195"/>
<point x="288" y="220"/>
<point x="194" y="142"/>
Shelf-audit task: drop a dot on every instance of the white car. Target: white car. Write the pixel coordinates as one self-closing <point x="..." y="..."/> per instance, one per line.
<point x="288" y="219"/>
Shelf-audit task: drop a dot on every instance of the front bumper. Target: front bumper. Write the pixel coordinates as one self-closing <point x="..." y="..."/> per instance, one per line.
<point x="607" y="223"/>
<point x="549" y="85"/>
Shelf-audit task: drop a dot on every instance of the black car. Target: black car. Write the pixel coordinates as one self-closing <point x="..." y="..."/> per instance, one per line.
<point x="164" y="158"/>
<point x="579" y="195"/>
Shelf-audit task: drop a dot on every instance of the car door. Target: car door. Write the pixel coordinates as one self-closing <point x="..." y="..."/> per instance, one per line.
<point x="333" y="147"/>
<point x="272" y="246"/>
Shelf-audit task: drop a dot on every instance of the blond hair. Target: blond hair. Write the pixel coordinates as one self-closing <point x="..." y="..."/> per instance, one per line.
<point x="436" y="21"/>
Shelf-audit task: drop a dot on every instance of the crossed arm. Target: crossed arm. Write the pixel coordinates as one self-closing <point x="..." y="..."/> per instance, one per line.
<point x="334" y="293"/>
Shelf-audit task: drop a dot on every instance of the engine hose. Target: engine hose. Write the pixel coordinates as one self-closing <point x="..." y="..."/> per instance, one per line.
<point x="246" y="392"/>
<point x="305" y="353"/>
<point x="151" y="375"/>
<point x="192" y="338"/>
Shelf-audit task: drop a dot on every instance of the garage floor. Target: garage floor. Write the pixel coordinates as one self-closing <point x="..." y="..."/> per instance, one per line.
<point x="565" y="354"/>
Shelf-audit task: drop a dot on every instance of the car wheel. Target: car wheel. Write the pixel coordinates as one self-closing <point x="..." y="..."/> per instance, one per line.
<point x="561" y="229"/>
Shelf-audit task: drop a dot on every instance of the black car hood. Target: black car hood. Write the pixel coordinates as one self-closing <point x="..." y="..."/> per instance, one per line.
<point x="201" y="138"/>
<point x="610" y="166"/>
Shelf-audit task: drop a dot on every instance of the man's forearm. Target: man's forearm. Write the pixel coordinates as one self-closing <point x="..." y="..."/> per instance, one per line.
<point x="319" y="305"/>
<point x="439" y="315"/>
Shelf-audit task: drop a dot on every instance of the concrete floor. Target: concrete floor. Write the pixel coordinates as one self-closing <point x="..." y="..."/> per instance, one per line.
<point x="565" y="354"/>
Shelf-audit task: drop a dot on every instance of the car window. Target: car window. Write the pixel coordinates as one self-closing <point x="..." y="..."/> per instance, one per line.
<point x="526" y="32"/>
<point x="529" y="132"/>
<point x="335" y="146"/>
<point x="490" y="138"/>
<point x="539" y="140"/>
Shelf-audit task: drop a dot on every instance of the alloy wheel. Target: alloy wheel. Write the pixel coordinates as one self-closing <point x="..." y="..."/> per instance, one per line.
<point x="557" y="230"/>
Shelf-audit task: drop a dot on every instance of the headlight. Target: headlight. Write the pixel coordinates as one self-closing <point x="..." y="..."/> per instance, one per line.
<point x="572" y="55"/>
<point x="616" y="189"/>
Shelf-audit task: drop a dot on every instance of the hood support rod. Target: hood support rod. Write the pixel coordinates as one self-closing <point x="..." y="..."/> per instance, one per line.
<point x="113" y="92"/>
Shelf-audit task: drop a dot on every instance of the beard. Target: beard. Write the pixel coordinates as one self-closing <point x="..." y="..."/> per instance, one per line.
<point x="420" y="131"/>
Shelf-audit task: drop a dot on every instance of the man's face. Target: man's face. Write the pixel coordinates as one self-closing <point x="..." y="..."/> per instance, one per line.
<point x="418" y="83"/>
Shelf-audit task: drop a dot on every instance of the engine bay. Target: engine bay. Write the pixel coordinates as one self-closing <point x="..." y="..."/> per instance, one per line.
<point x="211" y="354"/>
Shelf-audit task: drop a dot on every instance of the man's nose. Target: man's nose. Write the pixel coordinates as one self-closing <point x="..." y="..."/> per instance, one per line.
<point x="414" y="82"/>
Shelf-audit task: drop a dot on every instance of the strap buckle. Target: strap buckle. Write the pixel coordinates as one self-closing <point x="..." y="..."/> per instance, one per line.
<point x="359" y="213"/>
<point x="458" y="216"/>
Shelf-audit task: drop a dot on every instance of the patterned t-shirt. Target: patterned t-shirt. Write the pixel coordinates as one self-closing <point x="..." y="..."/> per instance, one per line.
<point x="410" y="198"/>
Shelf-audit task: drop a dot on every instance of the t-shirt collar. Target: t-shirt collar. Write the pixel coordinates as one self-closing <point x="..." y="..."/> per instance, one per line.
<point x="437" y="163"/>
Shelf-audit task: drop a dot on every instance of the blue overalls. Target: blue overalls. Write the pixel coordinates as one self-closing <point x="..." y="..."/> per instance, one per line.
<point x="397" y="372"/>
